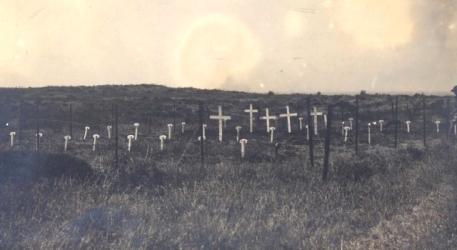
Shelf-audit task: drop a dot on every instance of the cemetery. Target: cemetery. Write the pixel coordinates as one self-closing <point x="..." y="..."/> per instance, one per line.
<point x="261" y="165"/>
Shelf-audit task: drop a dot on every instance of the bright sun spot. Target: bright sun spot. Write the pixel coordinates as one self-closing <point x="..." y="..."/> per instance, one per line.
<point x="215" y="49"/>
<point x="261" y="85"/>
<point x="20" y="43"/>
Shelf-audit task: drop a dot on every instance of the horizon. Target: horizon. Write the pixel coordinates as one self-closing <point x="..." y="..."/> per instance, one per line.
<point x="252" y="46"/>
<point x="435" y="93"/>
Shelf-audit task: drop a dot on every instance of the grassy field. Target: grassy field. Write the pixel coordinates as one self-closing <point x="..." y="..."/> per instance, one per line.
<point x="383" y="198"/>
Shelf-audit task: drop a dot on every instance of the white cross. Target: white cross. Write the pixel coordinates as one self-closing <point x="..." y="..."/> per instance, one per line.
<point x="250" y="110"/>
<point x="288" y="115"/>
<point x="220" y="117"/>
<point x="268" y="118"/>
<point x="315" y="114"/>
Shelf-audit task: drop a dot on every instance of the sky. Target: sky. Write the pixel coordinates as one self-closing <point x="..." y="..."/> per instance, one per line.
<point x="248" y="45"/>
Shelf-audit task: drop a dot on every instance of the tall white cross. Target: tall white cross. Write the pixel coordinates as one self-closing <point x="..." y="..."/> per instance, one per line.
<point x="250" y="110"/>
<point x="288" y="115"/>
<point x="220" y="117"/>
<point x="315" y="114"/>
<point x="267" y="117"/>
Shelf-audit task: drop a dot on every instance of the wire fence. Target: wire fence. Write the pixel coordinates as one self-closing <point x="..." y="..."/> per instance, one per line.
<point x="365" y="115"/>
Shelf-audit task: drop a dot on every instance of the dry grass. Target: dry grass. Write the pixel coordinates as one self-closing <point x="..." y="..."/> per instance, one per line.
<point x="384" y="199"/>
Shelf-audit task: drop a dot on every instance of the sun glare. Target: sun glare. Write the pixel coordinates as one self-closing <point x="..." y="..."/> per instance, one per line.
<point x="215" y="49"/>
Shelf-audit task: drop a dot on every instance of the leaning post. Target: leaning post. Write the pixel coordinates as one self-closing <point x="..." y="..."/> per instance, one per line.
<point x="396" y="120"/>
<point x="423" y="114"/>
<point x="200" y="115"/>
<point x="327" y="141"/>
<point x="356" y="124"/>
<point x="116" y="136"/>
<point x="37" y="127"/>
<point x="310" y="129"/>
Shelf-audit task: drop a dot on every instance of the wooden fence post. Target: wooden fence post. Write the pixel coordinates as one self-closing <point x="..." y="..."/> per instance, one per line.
<point x="393" y="111"/>
<point x="424" y="124"/>
<point x="174" y="116"/>
<point x="327" y="141"/>
<point x="448" y="118"/>
<point x="71" y="121"/>
<point x="116" y="135"/>
<point x="202" y="139"/>
<point x="298" y="112"/>
<point x="37" y="127"/>
<point x="21" y="121"/>
<point x="113" y="122"/>
<point x="150" y="117"/>
<point x="396" y="120"/>
<point x="356" y="124"/>
<point x="310" y="129"/>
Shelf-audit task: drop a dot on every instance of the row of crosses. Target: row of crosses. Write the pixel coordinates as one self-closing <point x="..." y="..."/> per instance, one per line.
<point x="267" y="117"/>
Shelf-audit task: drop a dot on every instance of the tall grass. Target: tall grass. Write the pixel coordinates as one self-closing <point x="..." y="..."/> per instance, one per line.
<point x="239" y="205"/>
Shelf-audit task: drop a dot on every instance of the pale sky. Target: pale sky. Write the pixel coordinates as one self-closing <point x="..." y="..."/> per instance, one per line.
<point x="248" y="45"/>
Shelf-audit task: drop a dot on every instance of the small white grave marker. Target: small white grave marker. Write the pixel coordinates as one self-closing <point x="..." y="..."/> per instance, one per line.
<point x="407" y="125"/>
<point x="267" y="118"/>
<point x="85" y="132"/>
<point x="162" y="137"/>
<point x="243" y="143"/>
<point x="182" y="127"/>
<point x="204" y="131"/>
<point x="288" y="115"/>
<point x="220" y="117"/>
<point x="170" y="126"/>
<point x="39" y="135"/>
<point x="136" y="125"/>
<point x="95" y="136"/>
<point x="272" y="129"/>
<point x="109" y="131"/>
<point x="130" y="137"/>
<point x="301" y="122"/>
<point x="346" y="129"/>
<point x="437" y="126"/>
<point x="238" y="133"/>
<point x="250" y="111"/>
<point x="315" y="114"/>
<point x="12" y="134"/>
<point x="67" y="137"/>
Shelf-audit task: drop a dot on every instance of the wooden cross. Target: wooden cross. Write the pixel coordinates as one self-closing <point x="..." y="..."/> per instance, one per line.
<point x="288" y="115"/>
<point x="220" y="117"/>
<point x="267" y="117"/>
<point x="250" y="110"/>
<point x="315" y="114"/>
